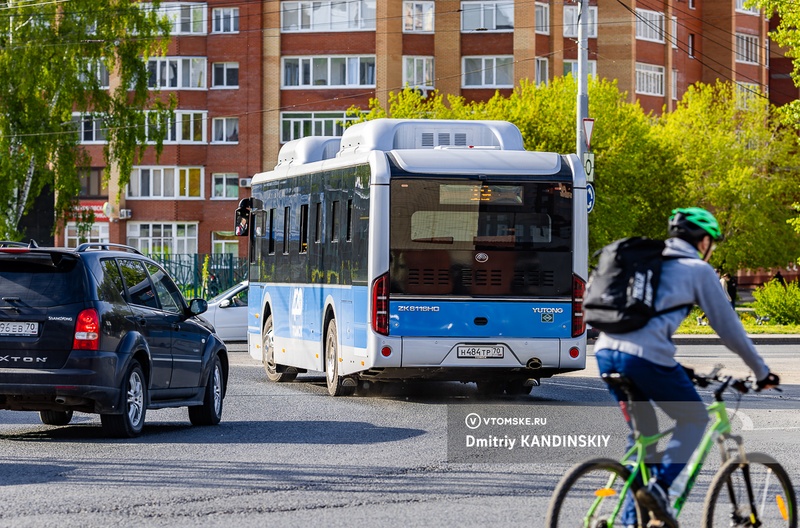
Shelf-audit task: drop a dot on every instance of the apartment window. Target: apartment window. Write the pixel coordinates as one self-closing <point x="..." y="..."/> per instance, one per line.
<point x="418" y="17"/>
<point x="541" y="70"/>
<point x="223" y="243"/>
<point x="740" y="7"/>
<point x="226" y="185"/>
<point x="185" y="73"/>
<point x="691" y="4"/>
<point x="747" y="49"/>
<point x="675" y="85"/>
<point x="674" y="33"/>
<point x="96" y="70"/>
<point x="185" y="127"/>
<point x="542" y="18"/>
<point x="333" y="15"/>
<point x="649" y="79"/>
<point x="91" y="128"/>
<point x="571" y="66"/>
<point x="166" y="182"/>
<point x="650" y="25"/>
<point x="418" y="72"/>
<point x="225" y="20"/>
<point x="97" y="233"/>
<point x="186" y="18"/>
<point x="571" y="21"/>
<point x="296" y="125"/>
<point x="746" y="95"/>
<point x="488" y="72"/>
<point x="161" y="238"/>
<point x="225" y="75"/>
<point x="690" y="45"/>
<point x="92" y="183"/>
<point x="328" y="71"/>
<point x="487" y="16"/>
<point x="226" y="130"/>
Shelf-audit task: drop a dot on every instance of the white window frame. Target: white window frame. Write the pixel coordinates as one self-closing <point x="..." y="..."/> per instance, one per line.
<point x="542" y="71"/>
<point x="225" y="20"/>
<point x="649" y="79"/>
<point x="690" y="45"/>
<point x="225" y="130"/>
<point x="691" y="4"/>
<point x="418" y="71"/>
<point x="163" y="182"/>
<point x="187" y="18"/>
<point x="740" y="8"/>
<point x="96" y="69"/>
<point x="98" y="233"/>
<point x="571" y="21"/>
<point x="748" y="49"/>
<point x="90" y="135"/>
<point x="674" y="83"/>
<point x="227" y="180"/>
<point x="573" y="67"/>
<point x="173" y="238"/>
<point x="223" y="243"/>
<point x="188" y="73"/>
<point x="487" y="13"/>
<point x="488" y="71"/>
<point x="184" y="124"/>
<point x="308" y="67"/>
<point x="650" y="25"/>
<point x="674" y="35"/>
<point x="542" y="18"/>
<point x="295" y="124"/>
<point x="419" y="17"/>
<point x="302" y="17"/>
<point x="746" y="95"/>
<point x="226" y="67"/>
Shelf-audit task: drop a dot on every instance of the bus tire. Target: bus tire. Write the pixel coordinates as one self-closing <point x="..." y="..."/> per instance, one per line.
<point x="268" y="356"/>
<point x="337" y="385"/>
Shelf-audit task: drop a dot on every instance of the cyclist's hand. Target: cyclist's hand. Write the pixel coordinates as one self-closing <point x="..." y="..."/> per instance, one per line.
<point x="769" y="382"/>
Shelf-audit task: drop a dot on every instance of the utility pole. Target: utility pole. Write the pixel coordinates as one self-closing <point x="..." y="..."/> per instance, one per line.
<point x="583" y="73"/>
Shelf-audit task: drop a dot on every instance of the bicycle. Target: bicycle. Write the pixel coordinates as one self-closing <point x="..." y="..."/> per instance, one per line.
<point x="748" y="490"/>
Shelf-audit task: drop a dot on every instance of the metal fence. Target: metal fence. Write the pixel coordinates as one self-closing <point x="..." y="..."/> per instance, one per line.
<point x="224" y="270"/>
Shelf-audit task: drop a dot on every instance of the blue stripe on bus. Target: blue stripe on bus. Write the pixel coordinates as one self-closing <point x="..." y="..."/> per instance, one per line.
<point x="457" y="319"/>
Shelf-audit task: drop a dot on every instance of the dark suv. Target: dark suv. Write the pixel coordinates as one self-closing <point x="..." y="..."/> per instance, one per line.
<point x="103" y="329"/>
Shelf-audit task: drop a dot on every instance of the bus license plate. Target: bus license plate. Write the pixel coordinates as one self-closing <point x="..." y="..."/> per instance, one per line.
<point x="481" y="352"/>
<point x="19" y="329"/>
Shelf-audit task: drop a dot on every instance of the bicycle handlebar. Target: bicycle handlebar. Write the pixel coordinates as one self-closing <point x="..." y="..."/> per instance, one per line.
<point x="742" y="385"/>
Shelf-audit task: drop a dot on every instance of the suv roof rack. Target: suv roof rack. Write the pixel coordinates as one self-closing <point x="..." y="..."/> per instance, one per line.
<point x="11" y="243"/>
<point x="106" y="246"/>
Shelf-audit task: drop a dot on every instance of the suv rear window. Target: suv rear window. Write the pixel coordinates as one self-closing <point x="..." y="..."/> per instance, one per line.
<point x="40" y="280"/>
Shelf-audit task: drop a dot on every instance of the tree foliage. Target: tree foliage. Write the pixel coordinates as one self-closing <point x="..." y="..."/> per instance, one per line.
<point x="50" y="56"/>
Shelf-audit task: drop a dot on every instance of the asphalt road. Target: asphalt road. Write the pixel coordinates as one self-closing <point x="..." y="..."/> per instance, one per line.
<point x="290" y="455"/>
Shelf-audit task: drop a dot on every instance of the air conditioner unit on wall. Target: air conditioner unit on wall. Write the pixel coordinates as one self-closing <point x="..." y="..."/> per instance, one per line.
<point x="245" y="182"/>
<point x="124" y="214"/>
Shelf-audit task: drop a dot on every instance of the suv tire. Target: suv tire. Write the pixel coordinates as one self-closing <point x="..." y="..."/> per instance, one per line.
<point x="130" y="423"/>
<point x="210" y="413"/>
<point x="55" y="417"/>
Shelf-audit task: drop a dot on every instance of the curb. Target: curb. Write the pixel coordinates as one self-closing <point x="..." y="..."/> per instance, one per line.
<point x="758" y="339"/>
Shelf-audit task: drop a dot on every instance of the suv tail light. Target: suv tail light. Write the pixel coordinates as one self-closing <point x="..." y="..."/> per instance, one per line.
<point x="87" y="331"/>
<point x="578" y="289"/>
<point x="380" y="304"/>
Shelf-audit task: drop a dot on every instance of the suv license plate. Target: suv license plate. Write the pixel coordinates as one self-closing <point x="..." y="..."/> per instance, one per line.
<point x="19" y="329"/>
<point x="481" y="352"/>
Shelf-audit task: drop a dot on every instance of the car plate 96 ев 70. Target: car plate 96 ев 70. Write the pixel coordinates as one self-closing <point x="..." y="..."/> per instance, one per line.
<point x="481" y="351"/>
<point x="18" y="329"/>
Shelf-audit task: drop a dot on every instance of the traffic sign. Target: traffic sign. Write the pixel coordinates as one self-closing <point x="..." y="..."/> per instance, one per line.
<point x="588" y="166"/>
<point x="588" y="128"/>
<point x="590" y="197"/>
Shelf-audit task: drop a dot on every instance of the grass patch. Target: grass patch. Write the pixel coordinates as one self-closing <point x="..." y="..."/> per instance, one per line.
<point x="748" y="318"/>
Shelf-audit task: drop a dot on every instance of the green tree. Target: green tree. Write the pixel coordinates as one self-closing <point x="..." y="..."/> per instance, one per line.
<point x="739" y="163"/>
<point x="54" y="59"/>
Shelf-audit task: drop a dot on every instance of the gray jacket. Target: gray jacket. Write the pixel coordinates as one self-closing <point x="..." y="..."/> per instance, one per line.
<point x="686" y="280"/>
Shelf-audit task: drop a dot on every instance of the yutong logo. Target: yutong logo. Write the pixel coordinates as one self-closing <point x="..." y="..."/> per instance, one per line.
<point x="548" y="310"/>
<point x="22" y="359"/>
<point x="417" y="308"/>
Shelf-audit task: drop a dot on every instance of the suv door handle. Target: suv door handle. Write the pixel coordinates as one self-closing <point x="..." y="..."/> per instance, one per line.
<point x="176" y="326"/>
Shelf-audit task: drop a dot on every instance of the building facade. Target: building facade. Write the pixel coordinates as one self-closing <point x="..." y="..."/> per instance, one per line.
<point x="250" y="76"/>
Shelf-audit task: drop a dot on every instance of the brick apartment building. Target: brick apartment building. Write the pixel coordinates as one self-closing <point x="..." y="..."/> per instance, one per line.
<point x="252" y="75"/>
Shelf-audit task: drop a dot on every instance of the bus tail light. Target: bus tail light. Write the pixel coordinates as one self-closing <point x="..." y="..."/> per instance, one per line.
<point x="578" y="289"/>
<point x="380" y="304"/>
<point x="87" y="328"/>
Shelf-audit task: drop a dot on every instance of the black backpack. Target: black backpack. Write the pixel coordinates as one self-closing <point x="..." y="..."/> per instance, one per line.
<point x="621" y="293"/>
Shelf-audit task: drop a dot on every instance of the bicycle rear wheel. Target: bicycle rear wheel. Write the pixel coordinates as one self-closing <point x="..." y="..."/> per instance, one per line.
<point x="773" y="500"/>
<point x="590" y="496"/>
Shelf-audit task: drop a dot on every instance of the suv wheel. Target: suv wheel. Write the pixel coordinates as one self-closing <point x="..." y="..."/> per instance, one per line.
<point x="130" y="423"/>
<point x="55" y="417"/>
<point x="210" y="413"/>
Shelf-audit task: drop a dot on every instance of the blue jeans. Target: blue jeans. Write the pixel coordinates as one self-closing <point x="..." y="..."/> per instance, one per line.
<point x="672" y="390"/>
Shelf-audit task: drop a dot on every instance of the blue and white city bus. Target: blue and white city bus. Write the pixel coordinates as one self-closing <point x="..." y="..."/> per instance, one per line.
<point x="418" y="249"/>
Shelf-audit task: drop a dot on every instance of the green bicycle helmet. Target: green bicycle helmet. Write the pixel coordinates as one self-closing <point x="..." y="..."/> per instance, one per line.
<point x="692" y="224"/>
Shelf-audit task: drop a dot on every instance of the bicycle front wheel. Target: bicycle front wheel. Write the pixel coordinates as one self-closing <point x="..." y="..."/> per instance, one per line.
<point x="591" y="495"/>
<point x="768" y="501"/>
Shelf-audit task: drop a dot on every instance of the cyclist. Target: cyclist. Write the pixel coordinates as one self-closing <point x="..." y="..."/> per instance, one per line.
<point x="646" y="356"/>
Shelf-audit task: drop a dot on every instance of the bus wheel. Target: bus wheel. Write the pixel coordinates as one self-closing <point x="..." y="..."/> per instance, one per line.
<point x="268" y="356"/>
<point x="337" y="385"/>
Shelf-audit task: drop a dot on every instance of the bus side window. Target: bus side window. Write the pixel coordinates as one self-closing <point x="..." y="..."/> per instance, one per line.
<point x="286" y="223"/>
<point x="303" y="229"/>
<point x="335" y="221"/>
<point x="271" y="233"/>
<point x="349" y="235"/>
<point x="318" y="222"/>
